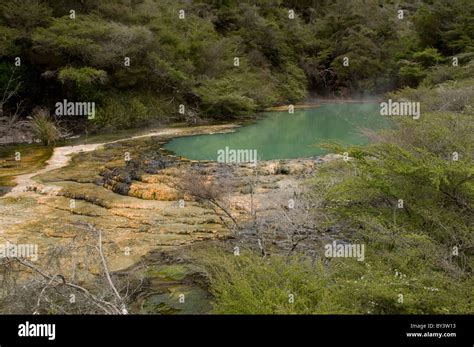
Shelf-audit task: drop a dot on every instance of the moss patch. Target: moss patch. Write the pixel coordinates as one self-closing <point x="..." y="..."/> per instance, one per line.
<point x="169" y="272"/>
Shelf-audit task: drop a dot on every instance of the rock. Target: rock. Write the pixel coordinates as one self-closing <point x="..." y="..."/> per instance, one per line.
<point x="282" y="170"/>
<point x="154" y="166"/>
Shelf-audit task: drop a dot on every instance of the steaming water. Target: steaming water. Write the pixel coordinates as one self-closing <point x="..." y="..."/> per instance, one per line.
<point x="281" y="135"/>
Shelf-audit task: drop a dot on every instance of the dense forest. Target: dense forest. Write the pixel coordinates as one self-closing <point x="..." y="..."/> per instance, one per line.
<point x="139" y="60"/>
<point x="407" y="195"/>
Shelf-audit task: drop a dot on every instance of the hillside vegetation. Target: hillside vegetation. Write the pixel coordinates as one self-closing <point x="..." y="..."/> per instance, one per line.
<point x="139" y="60"/>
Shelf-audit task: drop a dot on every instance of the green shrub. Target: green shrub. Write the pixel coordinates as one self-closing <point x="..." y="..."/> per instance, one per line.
<point x="224" y="97"/>
<point x="229" y="105"/>
<point x="82" y="76"/>
<point x="249" y="284"/>
<point x="45" y="128"/>
<point x="126" y="109"/>
<point x="428" y="57"/>
<point x="442" y="73"/>
<point x="410" y="74"/>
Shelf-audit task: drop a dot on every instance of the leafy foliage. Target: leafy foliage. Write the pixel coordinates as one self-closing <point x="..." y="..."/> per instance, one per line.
<point x="191" y="61"/>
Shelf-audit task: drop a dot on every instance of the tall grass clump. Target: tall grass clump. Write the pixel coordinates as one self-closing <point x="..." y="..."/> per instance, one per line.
<point x="45" y="128"/>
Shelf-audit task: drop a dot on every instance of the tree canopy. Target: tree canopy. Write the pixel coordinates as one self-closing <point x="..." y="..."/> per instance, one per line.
<point x="222" y="58"/>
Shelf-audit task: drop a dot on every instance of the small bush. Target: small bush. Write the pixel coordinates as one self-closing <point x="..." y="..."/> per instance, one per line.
<point x="230" y="105"/>
<point x="45" y="128"/>
<point x="410" y="73"/>
<point x="446" y="72"/>
<point x="249" y="284"/>
<point x="126" y="110"/>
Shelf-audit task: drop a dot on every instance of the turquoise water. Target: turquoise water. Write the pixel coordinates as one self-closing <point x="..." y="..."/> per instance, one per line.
<point x="281" y="135"/>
